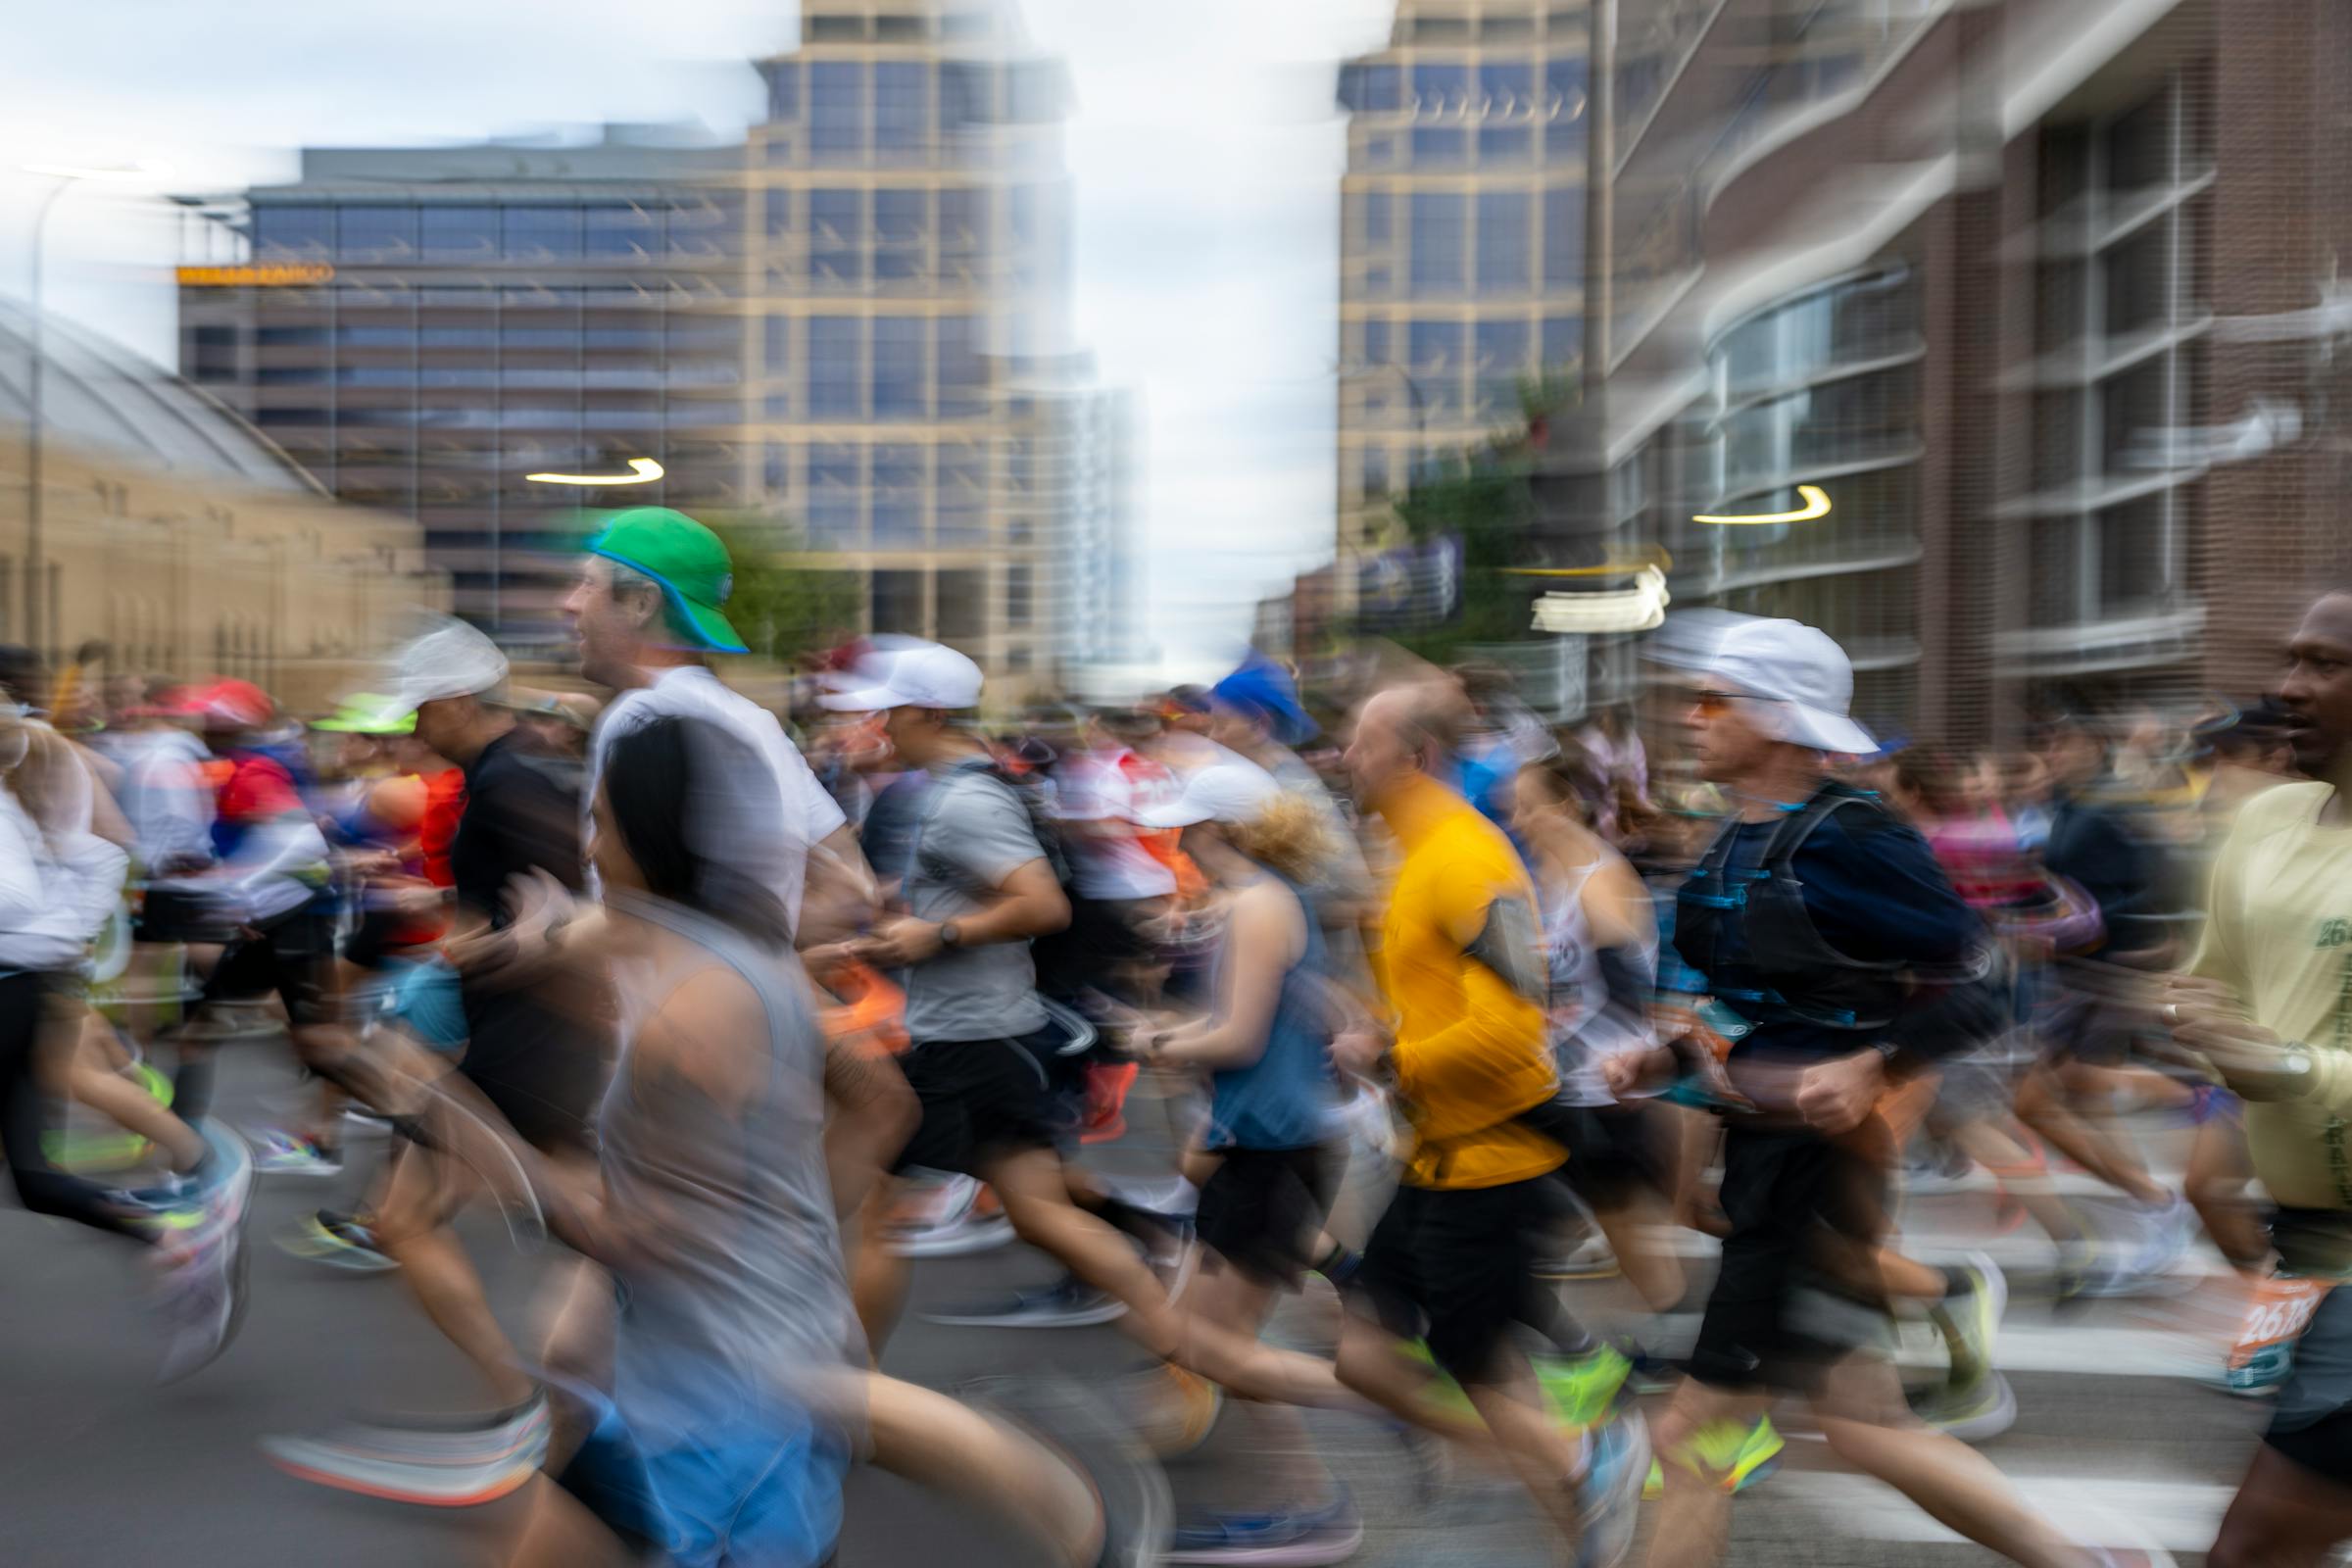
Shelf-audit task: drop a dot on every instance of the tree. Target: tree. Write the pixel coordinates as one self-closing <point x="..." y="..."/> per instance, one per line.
<point x="783" y="606"/>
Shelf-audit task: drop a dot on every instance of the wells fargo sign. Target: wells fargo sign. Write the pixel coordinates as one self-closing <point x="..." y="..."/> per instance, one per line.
<point x="271" y="274"/>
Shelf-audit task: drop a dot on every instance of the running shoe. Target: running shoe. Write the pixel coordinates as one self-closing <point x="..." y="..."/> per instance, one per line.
<point x="951" y="1218"/>
<point x="1756" y="1458"/>
<point x="282" y="1153"/>
<point x="1590" y="1259"/>
<point x="1976" y="1412"/>
<point x="337" y="1240"/>
<point x="1306" y="1539"/>
<point x="1971" y="1323"/>
<point x="2144" y="1259"/>
<point x="1580" y="1390"/>
<point x="1609" y="1496"/>
<point x="1066" y="1303"/>
<point x="460" y="1463"/>
<point x="1089" y="1437"/>
<point x="1940" y="1168"/>
<point x="83" y="1151"/>
<point x="200" y="1255"/>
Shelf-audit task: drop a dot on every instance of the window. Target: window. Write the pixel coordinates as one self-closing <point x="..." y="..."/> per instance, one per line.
<point x="964" y="95"/>
<point x="378" y="233"/>
<point x="835" y="492"/>
<point x="1564" y="237"/>
<point x="962" y="371"/>
<point x="834" y="386"/>
<point x="778" y="207"/>
<point x="902" y="110"/>
<point x="2134" y="559"/>
<point x="2139" y="275"/>
<point x="1438" y="262"/>
<point x="702" y="228"/>
<point x="836" y="110"/>
<point x="836" y="30"/>
<point x="778" y="346"/>
<point x="1564" y="104"/>
<point x="899" y="381"/>
<point x="836" y="238"/>
<point x="1503" y="241"/>
<point x="618" y="233"/>
<point x="1378" y="216"/>
<point x="1018" y="661"/>
<point x="1506" y="90"/>
<point x="1019" y="594"/>
<point x="539" y="234"/>
<point x="1377" y="89"/>
<point x="1380" y="152"/>
<point x="898" y="602"/>
<point x="900" y="244"/>
<point x="1441" y="88"/>
<point x="1441" y="30"/>
<point x="1501" y="366"/>
<point x="1440" y="147"/>
<point x="962" y="497"/>
<point x="1507" y="145"/>
<point x="783" y="89"/>
<point x="1436" y="349"/>
<point x="1494" y="28"/>
<point x="898" y="497"/>
<point x="900" y="30"/>
<point x="1563" y="340"/>
<point x="302" y="234"/>
<point x="775" y="472"/>
<point x="459" y="233"/>
<point x="213" y="352"/>
<point x="1372" y="472"/>
<point x="1375" y="342"/>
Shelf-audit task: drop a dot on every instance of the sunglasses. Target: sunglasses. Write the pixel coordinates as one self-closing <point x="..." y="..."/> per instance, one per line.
<point x="1710" y="704"/>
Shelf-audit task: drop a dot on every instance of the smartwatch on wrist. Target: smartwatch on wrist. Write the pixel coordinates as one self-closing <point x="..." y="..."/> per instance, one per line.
<point x="951" y="935"/>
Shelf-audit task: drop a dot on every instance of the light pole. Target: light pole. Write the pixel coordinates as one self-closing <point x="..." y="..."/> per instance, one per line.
<point x="66" y="175"/>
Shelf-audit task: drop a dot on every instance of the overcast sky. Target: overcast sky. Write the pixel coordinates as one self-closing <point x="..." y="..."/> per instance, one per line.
<point x="1205" y="148"/>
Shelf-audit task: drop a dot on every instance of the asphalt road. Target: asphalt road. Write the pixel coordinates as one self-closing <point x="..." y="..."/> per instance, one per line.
<point x="2117" y="1437"/>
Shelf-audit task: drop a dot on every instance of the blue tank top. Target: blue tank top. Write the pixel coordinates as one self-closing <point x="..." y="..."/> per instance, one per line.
<point x="1281" y="1099"/>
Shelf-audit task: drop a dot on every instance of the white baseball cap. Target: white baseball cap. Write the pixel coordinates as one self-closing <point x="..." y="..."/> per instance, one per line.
<point x="1801" y="674"/>
<point x="450" y="659"/>
<point x="922" y="675"/>
<point x="1222" y="791"/>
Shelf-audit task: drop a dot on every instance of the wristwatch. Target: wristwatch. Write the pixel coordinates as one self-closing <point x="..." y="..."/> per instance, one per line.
<point x="2295" y="1065"/>
<point x="951" y="935"/>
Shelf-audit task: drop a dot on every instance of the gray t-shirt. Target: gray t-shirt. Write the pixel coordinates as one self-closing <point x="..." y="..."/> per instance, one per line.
<point x="973" y="832"/>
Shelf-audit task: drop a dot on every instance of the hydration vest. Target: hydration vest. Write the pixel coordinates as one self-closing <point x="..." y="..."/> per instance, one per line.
<point x="1796" y="973"/>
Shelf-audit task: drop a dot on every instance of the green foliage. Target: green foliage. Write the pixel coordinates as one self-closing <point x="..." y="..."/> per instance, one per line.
<point x="783" y="607"/>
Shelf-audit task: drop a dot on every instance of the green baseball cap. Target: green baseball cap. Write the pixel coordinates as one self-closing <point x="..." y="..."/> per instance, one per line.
<point x="686" y="558"/>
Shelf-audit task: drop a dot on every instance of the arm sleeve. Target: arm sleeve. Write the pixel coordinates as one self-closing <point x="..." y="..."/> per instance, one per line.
<point x="1493" y="1062"/>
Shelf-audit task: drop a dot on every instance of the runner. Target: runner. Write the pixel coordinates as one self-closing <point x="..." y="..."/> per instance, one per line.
<point x="1830" y="927"/>
<point x="1453" y="1260"/>
<point x="2265" y="1002"/>
<point x="1273" y="1167"/>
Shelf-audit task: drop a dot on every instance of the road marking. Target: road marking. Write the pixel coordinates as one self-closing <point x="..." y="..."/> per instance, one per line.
<point x="2175" y="1516"/>
<point x="2086" y="1348"/>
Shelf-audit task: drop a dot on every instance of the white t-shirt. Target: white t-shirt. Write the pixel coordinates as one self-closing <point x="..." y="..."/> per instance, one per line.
<point x="778" y="858"/>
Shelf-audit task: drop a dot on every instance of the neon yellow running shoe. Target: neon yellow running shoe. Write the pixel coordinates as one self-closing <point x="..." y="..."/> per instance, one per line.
<point x="1578" y="1389"/>
<point x="1444" y="1391"/>
<point x="1755" y="1456"/>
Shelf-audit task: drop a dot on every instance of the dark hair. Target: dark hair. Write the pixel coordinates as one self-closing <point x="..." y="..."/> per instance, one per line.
<point x="1569" y="778"/>
<point x="24" y="676"/>
<point x="675" y="787"/>
<point x="1931" y="772"/>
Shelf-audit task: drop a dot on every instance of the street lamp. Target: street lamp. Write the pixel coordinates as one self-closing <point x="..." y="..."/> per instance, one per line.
<point x="66" y="175"/>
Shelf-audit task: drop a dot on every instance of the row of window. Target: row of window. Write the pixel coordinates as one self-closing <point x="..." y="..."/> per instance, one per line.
<point x="684" y="333"/>
<point x="1448" y="371"/>
<point x="432" y="378"/>
<point x="1457" y="243"/>
<point x="663" y="300"/>
<point x="694" y="229"/>
<point x="896" y="110"/>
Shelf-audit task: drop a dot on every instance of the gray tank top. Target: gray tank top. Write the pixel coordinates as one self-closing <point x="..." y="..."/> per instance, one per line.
<point x="740" y="1313"/>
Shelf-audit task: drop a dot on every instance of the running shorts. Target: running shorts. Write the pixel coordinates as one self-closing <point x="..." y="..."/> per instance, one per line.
<point x="982" y="1099"/>
<point x="537" y="1068"/>
<point x="1262" y="1208"/>
<point x="1456" y="1266"/>
<point x="174" y="914"/>
<point x="1616" y="1152"/>
<point x="2312" y="1424"/>
<point x="746" y="1495"/>
<point x="293" y="954"/>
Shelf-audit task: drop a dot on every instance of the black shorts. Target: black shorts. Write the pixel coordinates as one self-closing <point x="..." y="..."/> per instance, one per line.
<point x="2313" y="1422"/>
<point x="174" y="915"/>
<point x="1262" y="1208"/>
<point x="982" y="1099"/>
<point x="539" y="1070"/>
<point x="1458" y="1267"/>
<point x="292" y="954"/>
<point x="1799" y="1205"/>
<point x="1616" y="1152"/>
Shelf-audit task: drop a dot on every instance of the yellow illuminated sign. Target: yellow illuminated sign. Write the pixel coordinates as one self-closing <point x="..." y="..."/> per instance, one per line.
<point x="642" y="471"/>
<point x="1816" y="504"/>
<point x="263" y="274"/>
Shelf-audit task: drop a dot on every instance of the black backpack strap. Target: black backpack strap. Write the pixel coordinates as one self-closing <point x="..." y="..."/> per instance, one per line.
<point x="1797" y="826"/>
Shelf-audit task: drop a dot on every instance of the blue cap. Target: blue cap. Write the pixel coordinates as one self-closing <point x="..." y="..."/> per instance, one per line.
<point x="1263" y="690"/>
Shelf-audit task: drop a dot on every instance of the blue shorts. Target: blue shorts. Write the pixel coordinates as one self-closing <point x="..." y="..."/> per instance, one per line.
<point x="766" y="1497"/>
<point x="426" y="1001"/>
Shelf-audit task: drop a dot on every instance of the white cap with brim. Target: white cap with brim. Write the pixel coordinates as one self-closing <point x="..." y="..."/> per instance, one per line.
<point x="1223" y="792"/>
<point x="1801" y="676"/>
<point x="925" y="675"/>
<point x="452" y="660"/>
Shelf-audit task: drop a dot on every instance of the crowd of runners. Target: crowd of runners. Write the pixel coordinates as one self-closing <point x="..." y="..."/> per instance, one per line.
<point x="1449" y="1012"/>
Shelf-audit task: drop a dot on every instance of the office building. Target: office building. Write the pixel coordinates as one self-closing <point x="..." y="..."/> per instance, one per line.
<point x="1463" y="248"/>
<point x="2021" y="317"/>
<point x="424" y="328"/>
<point x="917" y="397"/>
<point x="180" y="537"/>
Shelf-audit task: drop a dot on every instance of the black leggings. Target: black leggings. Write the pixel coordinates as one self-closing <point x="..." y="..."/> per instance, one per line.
<point x="24" y="1011"/>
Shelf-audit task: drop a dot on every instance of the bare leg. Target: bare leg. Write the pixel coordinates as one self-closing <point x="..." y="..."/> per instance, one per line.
<point x="1693" y="1521"/>
<point x="1633" y="1229"/>
<point x="2219" y="1169"/>
<point x="133" y="1109"/>
<point x="412" y="1229"/>
<point x="2023" y="1175"/>
<point x="951" y="1448"/>
<point x="1863" y="1416"/>
<point x="1543" y="1458"/>
<point x="2041" y="1108"/>
<point x="2283" y="1516"/>
<point x="557" y="1531"/>
<point x="878" y="1275"/>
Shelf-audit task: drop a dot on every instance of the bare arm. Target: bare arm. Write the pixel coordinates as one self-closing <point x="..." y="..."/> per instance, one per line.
<point x="1027" y="903"/>
<point x="1264" y="939"/>
<point x="872" y="1113"/>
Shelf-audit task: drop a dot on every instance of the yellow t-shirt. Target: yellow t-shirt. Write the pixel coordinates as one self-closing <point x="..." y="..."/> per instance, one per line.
<point x="2279" y="931"/>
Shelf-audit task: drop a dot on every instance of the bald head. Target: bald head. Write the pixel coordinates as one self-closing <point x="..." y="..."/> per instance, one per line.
<point x="1403" y="731"/>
